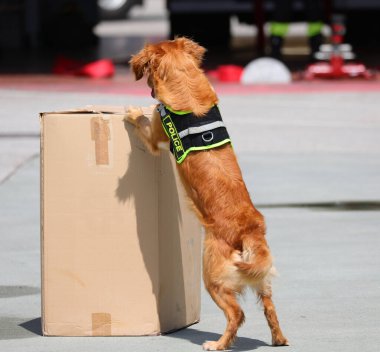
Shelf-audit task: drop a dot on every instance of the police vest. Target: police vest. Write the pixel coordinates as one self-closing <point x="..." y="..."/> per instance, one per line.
<point x="188" y="132"/>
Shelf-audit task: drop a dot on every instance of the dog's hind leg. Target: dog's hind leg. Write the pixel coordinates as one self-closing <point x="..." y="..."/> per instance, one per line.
<point x="226" y="300"/>
<point x="278" y="339"/>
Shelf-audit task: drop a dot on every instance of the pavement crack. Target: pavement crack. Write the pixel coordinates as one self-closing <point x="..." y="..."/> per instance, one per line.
<point x="21" y="135"/>
<point x="19" y="166"/>
<point x="335" y="205"/>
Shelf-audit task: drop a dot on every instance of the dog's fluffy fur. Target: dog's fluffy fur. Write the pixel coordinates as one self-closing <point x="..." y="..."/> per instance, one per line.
<point x="236" y="253"/>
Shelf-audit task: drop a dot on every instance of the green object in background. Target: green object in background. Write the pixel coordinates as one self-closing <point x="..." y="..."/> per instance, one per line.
<point x="314" y="28"/>
<point x="279" y="29"/>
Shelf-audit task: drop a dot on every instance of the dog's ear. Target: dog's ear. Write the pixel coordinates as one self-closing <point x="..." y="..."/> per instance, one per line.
<point x="192" y="48"/>
<point x="140" y="62"/>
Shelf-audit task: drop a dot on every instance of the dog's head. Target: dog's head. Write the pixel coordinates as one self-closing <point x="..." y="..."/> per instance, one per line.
<point x="155" y="59"/>
<point x="172" y="69"/>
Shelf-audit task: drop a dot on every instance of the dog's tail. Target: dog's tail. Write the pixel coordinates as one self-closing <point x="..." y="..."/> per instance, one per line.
<point x="256" y="260"/>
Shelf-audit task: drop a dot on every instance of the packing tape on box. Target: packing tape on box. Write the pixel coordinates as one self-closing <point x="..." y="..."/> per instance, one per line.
<point x="100" y="133"/>
<point x="101" y="324"/>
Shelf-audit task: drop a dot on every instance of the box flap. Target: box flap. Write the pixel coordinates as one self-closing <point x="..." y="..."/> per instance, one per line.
<point x="96" y="109"/>
<point x="112" y="109"/>
<point x="116" y="109"/>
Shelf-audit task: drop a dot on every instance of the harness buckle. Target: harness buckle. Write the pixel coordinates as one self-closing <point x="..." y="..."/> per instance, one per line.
<point x="207" y="137"/>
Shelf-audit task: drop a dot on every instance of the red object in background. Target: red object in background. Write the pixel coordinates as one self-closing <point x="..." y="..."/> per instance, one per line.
<point x="227" y="73"/>
<point x="336" y="67"/>
<point x="97" y="69"/>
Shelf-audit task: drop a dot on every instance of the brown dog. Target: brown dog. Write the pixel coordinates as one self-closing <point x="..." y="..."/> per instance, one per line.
<point x="236" y="253"/>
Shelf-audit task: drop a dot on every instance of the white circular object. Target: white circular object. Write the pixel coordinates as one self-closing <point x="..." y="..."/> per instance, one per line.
<point x="111" y="5"/>
<point x="265" y="70"/>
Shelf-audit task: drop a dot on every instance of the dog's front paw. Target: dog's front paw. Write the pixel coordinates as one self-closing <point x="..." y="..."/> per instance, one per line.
<point x="133" y="114"/>
<point x="213" y="346"/>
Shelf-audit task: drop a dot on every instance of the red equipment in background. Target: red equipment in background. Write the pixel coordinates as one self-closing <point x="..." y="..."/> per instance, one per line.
<point x="336" y="53"/>
<point x="103" y="68"/>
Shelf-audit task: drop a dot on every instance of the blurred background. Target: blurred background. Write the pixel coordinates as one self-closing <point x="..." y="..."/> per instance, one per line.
<point x="34" y="34"/>
<point x="309" y="150"/>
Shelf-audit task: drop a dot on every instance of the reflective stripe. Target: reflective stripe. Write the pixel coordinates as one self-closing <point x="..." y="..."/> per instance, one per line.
<point x="161" y="110"/>
<point x="200" y="129"/>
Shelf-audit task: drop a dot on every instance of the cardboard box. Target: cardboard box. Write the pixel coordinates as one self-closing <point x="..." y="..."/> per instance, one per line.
<point x="120" y="246"/>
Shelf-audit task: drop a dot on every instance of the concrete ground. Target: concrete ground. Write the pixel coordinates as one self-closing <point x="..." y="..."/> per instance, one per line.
<point x="311" y="163"/>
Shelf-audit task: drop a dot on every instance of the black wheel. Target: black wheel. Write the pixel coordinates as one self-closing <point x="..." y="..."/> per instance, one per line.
<point x="115" y="9"/>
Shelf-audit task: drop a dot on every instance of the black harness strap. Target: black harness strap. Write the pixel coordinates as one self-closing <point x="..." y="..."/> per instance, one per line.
<point x="188" y="132"/>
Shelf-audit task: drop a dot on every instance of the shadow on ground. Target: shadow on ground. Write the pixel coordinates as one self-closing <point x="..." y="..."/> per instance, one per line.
<point x="34" y="326"/>
<point x="12" y="328"/>
<point x="198" y="337"/>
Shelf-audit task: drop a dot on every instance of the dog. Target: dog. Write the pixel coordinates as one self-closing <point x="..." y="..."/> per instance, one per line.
<point x="236" y="254"/>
